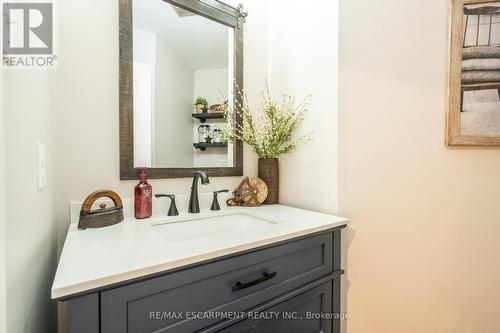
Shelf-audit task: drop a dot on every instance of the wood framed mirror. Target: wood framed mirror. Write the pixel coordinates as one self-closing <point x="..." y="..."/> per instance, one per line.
<point x="181" y="65"/>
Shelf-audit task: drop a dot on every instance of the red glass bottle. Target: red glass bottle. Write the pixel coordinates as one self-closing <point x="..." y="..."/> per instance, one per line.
<point x="143" y="200"/>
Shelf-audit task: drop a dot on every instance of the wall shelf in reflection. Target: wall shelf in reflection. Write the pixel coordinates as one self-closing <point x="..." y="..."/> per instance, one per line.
<point x="204" y="116"/>
<point x="204" y="146"/>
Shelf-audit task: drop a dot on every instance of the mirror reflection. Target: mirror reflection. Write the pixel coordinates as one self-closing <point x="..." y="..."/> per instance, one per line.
<point x="182" y="77"/>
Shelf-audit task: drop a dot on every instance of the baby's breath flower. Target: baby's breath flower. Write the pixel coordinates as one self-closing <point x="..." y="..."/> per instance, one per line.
<point x="270" y="132"/>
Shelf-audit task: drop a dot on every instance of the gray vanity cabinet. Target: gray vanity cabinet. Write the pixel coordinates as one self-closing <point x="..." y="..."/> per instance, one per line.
<point x="235" y="293"/>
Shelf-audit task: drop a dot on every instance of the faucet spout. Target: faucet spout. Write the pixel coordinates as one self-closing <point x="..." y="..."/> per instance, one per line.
<point x="194" y="204"/>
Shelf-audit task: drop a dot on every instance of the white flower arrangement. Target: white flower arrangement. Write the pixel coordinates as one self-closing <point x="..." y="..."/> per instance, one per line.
<point x="271" y="131"/>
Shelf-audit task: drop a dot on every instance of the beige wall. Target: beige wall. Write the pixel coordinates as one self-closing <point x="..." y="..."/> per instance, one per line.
<point x="424" y="249"/>
<point x="29" y="215"/>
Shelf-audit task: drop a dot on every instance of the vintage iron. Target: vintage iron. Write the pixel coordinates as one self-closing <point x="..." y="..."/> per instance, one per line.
<point x="103" y="216"/>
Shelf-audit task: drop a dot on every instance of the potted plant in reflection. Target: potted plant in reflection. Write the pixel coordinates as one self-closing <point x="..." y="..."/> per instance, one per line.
<point x="200" y="104"/>
<point x="270" y="132"/>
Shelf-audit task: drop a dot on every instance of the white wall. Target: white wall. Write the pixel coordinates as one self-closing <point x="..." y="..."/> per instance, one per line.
<point x="174" y="83"/>
<point x="3" y="309"/>
<point x="143" y="114"/>
<point x="144" y="67"/>
<point x="144" y="47"/>
<point x="303" y="47"/>
<point x="423" y="252"/>
<point x="211" y="84"/>
<point x="303" y="60"/>
<point x="29" y="215"/>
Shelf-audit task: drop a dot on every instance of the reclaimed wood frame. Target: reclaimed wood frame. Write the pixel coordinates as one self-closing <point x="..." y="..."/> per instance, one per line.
<point x="455" y="87"/>
<point x="213" y="10"/>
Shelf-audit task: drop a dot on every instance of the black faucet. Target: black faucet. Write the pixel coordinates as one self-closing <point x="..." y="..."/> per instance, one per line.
<point x="172" y="211"/>
<point x="194" y="204"/>
<point x="215" y="202"/>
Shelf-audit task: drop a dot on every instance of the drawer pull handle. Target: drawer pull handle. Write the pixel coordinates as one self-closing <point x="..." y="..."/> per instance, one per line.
<point x="265" y="277"/>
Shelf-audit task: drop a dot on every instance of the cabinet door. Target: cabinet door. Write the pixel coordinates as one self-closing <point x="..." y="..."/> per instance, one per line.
<point x="291" y="316"/>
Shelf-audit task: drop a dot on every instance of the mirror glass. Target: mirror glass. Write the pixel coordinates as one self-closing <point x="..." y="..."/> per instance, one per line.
<point x="182" y="77"/>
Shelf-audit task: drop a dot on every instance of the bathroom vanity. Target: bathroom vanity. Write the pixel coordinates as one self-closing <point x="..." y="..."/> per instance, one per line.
<point x="266" y="269"/>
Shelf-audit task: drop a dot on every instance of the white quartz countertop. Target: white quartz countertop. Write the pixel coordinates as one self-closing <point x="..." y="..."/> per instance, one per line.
<point x="95" y="258"/>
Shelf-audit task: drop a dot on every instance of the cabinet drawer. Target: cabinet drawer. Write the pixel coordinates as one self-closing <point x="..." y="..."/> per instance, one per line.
<point x="234" y="284"/>
<point x="291" y="316"/>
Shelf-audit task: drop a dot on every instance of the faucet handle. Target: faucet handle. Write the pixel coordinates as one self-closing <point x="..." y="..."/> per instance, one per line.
<point x="215" y="202"/>
<point x="172" y="211"/>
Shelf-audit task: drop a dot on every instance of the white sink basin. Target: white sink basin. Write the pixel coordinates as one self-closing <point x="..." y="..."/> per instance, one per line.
<point x="224" y="225"/>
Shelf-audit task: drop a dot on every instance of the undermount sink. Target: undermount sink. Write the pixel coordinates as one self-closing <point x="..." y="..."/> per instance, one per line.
<point x="224" y="225"/>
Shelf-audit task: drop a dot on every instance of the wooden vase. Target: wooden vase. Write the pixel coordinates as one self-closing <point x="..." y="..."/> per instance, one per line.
<point x="269" y="172"/>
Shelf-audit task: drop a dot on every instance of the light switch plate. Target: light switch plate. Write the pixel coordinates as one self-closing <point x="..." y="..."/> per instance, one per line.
<point x="42" y="174"/>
